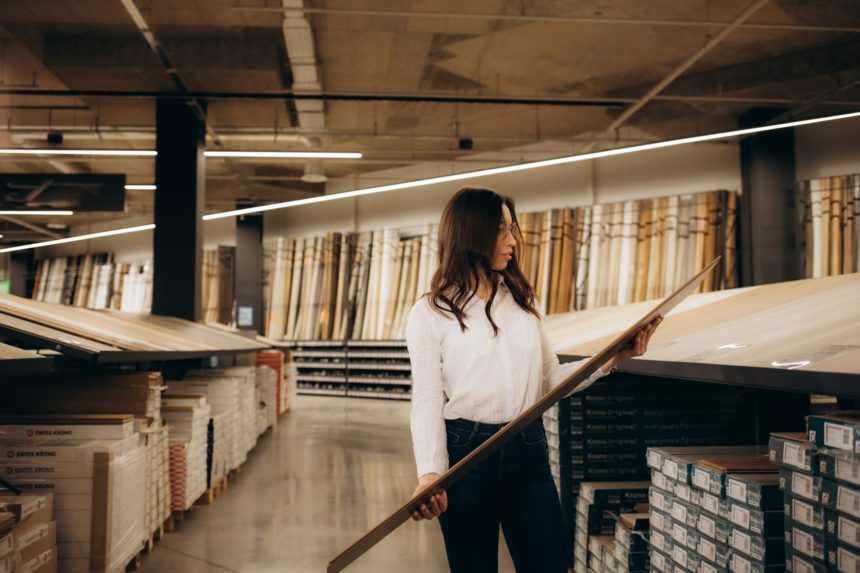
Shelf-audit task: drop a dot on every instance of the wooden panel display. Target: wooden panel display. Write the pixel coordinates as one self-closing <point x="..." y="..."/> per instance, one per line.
<point x="830" y="211"/>
<point x="94" y="281"/>
<point x="803" y="326"/>
<point x="219" y="271"/>
<point x="357" y="286"/>
<point x="362" y="286"/>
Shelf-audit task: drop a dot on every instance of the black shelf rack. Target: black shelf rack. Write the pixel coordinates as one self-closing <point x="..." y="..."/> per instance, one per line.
<point x="352" y="368"/>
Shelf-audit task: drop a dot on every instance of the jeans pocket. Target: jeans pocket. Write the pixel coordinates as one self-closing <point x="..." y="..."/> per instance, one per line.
<point x="459" y="438"/>
<point x="533" y="435"/>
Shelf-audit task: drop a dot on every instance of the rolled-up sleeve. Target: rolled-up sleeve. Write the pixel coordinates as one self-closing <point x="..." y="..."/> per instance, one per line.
<point x="429" y="440"/>
<point x="555" y="373"/>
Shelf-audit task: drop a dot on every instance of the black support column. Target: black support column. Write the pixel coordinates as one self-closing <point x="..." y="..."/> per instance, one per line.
<point x="21" y="278"/>
<point x="178" y="237"/>
<point x="249" y="272"/>
<point x="768" y="222"/>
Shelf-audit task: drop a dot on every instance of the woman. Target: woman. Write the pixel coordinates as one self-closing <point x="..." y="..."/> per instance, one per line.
<point x="479" y="359"/>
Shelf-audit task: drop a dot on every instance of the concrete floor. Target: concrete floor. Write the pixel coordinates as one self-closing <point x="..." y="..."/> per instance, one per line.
<point x="329" y="471"/>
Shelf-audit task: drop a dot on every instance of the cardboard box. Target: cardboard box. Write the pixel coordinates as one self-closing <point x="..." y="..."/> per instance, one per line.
<point x="760" y="491"/>
<point x="32" y="544"/>
<point x="663" y="483"/>
<point x="684" y="536"/>
<point x="843" y="558"/>
<point x="843" y="528"/>
<point x="797" y="563"/>
<point x="33" y="508"/>
<point x="712" y="504"/>
<point x="803" y="512"/>
<point x="765" y="523"/>
<point x="661" y="522"/>
<point x="601" y="493"/>
<point x="43" y="563"/>
<point x="687" y="559"/>
<point x="839" y="430"/>
<point x="792" y="450"/>
<point x="742" y="564"/>
<point x="801" y="485"/>
<point x="685" y="513"/>
<point x="715" y="553"/>
<point x="805" y="541"/>
<point x="660" y="500"/>
<point x="661" y="542"/>
<point x="661" y="563"/>
<point x="843" y="498"/>
<point x="67" y="427"/>
<point x="714" y="527"/>
<point x="757" y="548"/>
<point x="839" y="466"/>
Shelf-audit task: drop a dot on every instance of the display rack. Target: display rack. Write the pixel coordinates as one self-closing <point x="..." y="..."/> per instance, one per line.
<point x="355" y="368"/>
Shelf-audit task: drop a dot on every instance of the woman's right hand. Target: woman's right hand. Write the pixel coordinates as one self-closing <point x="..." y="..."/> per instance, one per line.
<point x="438" y="501"/>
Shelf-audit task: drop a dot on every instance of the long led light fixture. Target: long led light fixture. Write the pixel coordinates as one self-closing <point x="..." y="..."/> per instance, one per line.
<point x="524" y="166"/>
<point x="148" y="227"/>
<point x="47" y="213"/>
<point x="140" y="187"/>
<point x="285" y="154"/>
<point x="108" y="152"/>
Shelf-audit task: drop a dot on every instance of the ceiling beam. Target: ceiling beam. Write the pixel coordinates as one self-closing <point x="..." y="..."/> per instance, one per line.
<point x="30" y="226"/>
<point x="543" y="18"/>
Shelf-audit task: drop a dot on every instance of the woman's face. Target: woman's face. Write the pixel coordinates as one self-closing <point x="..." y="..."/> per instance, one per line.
<point x="505" y="243"/>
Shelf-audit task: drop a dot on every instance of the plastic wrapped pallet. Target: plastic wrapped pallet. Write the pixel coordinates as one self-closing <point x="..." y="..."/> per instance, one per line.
<point x="98" y="486"/>
<point x="267" y="398"/>
<point x="189" y="427"/>
<point x="222" y="394"/>
<point x="247" y="402"/>
<point x="275" y="359"/>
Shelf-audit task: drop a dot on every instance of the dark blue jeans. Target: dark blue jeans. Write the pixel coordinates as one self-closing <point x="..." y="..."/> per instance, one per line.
<point x="512" y="488"/>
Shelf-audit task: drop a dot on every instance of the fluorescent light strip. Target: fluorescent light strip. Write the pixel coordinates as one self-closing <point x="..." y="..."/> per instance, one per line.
<point x="48" y="213"/>
<point x="110" y="152"/>
<point x="140" y="187"/>
<point x="524" y="166"/>
<point x="285" y="154"/>
<point x="80" y="238"/>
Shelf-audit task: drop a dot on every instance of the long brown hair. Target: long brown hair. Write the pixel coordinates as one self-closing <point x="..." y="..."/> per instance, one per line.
<point x="468" y="232"/>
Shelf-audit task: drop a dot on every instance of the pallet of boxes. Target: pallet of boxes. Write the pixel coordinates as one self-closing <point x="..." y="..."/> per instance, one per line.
<point x="820" y="478"/>
<point x="715" y="508"/>
<point x="93" y="467"/>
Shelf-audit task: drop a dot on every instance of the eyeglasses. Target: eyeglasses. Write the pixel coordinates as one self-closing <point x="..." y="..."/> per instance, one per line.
<point x="513" y="229"/>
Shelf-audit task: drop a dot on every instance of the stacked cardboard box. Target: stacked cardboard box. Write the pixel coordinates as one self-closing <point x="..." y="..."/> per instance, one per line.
<point x="95" y="467"/>
<point x="631" y="543"/>
<point x="696" y="525"/>
<point x="597" y="507"/>
<point x="188" y="418"/>
<point x="820" y="477"/>
<point x="156" y="440"/>
<point x="28" y="533"/>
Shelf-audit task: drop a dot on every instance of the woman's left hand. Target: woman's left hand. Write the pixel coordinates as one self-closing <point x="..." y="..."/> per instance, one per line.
<point x="638" y="346"/>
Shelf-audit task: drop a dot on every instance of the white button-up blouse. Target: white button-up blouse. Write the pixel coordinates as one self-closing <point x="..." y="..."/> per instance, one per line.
<point x="484" y="378"/>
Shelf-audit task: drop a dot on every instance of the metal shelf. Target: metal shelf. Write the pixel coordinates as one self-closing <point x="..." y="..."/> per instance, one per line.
<point x="321" y="392"/>
<point x="329" y="379"/>
<point x="319" y="354"/>
<point x="405" y="382"/>
<point x="322" y="365"/>
<point x="384" y="355"/>
<point x="378" y="366"/>
<point x="376" y="343"/>
<point x="384" y="395"/>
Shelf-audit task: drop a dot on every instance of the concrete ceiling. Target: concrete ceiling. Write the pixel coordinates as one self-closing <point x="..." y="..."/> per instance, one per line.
<point x="503" y="73"/>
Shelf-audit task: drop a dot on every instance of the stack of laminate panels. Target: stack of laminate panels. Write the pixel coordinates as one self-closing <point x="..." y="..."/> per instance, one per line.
<point x="217" y="449"/>
<point x="188" y="418"/>
<point x="830" y="208"/>
<point x="246" y="400"/>
<point x="821" y="482"/>
<point x="222" y="395"/>
<point x="597" y="508"/>
<point x="714" y="509"/>
<point x="266" y="384"/>
<point x="133" y="287"/>
<point x="28" y="533"/>
<point x="630" y="544"/>
<point x="275" y="359"/>
<point x="218" y="280"/>
<point x="155" y="437"/>
<point x="95" y="466"/>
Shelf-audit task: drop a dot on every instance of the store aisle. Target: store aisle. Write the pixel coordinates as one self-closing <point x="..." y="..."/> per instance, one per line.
<point x="329" y="471"/>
